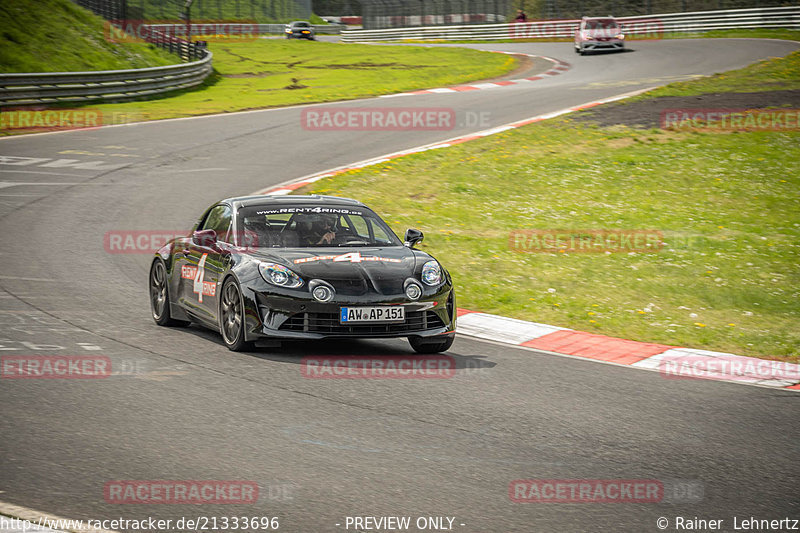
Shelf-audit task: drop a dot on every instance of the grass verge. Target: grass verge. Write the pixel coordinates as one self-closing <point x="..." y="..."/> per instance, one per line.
<point x="272" y="73"/>
<point x="58" y="36"/>
<point x="727" y="204"/>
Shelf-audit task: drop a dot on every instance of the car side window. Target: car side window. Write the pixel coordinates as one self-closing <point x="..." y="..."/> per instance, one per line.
<point x="379" y="234"/>
<point x="219" y="219"/>
<point x="359" y="225"/>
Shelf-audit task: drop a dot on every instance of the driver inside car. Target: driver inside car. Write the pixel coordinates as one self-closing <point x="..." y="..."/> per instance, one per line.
<point x="319" y="230"/>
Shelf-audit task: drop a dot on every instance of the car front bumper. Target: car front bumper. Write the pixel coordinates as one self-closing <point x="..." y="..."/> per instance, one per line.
<point x="590" y="46"/>
<point x="278" y="315"/>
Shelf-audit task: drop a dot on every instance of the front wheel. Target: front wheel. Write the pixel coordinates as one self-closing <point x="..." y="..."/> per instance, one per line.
<point x="421" y="346"/>
<point x="231" y="317"/>
<point x="159" y="296"/>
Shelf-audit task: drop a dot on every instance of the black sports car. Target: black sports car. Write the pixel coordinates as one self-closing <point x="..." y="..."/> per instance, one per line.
<point x="300" y="29"/>
<point x="267" y="268"/>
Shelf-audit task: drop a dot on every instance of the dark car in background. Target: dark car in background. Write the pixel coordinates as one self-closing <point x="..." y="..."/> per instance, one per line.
<point x="300" y="29"/>
<point x="265" y="268"/>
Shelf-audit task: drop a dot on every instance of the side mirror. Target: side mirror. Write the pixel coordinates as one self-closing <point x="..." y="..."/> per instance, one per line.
<point x="413" y="236"/>
<point x="206" y="238"/>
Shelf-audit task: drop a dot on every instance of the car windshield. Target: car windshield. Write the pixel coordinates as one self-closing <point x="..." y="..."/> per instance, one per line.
<point x="300" y="24"/>
<point x="302" y="226"/>
<point x="601" y="24"/>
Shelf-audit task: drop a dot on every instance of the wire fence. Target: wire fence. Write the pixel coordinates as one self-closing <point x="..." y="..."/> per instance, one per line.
<point x="571" y="9"/>
<point x="653" y="26"/>
<point x="382" y="14"/>
<point x="263" y="11"/>
<point x="379" y="14"/>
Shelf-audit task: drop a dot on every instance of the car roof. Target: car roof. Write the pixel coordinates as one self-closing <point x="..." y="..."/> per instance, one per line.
<point x="311" y="199"/>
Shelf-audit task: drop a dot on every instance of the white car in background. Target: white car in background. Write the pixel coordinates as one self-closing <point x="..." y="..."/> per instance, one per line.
<point x="598" y="33"/>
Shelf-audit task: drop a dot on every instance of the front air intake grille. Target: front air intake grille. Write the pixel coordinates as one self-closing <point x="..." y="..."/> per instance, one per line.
<point x="328" y="324"/>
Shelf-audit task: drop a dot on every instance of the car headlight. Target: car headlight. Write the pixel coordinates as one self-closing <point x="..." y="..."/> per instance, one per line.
<point x="620" y="36"/>
<point x="431" y="273"/>
<point x="279" y="275"/>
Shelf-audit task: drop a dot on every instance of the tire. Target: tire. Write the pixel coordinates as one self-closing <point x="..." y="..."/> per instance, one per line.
<point x="430" y="347"/>
<point x="159" y="296"/>
<point x="231" y="317"/>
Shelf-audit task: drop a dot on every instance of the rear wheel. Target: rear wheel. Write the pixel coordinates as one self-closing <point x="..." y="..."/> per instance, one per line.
<point x="231" y="317"/>
<point x="421" y="346"/>
<point x="159" y="296"/>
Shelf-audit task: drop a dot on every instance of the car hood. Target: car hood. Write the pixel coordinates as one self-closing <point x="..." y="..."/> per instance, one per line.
<point x="359" y="269"/>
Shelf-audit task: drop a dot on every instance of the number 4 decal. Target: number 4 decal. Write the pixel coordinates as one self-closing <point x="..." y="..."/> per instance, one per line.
<point x="197" y="286"/>
<point x="353" y="257"/>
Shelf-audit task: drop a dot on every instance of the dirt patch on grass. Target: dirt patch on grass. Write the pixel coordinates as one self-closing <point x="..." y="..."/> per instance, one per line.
<point x="252" y="74"/>
<point x="366" y="65"/>
<point x="647" y="113"/>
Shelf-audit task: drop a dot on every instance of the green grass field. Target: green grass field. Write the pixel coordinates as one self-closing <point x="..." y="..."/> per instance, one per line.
<point x="58" y="36"/>
<point x="727" y="204"/>
<point x="271" y="73"/>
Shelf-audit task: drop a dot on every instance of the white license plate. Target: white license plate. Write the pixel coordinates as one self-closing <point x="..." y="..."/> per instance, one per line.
<point x="371" y="314"/>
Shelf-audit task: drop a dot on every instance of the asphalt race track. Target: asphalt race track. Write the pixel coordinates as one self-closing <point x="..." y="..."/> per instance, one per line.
<point x="185" y="408"/>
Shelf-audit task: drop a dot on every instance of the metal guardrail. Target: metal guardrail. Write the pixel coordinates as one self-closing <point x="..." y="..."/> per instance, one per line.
<point x="652" y="25"/>
<point x="53" y="87"/>
<point x="117" y="85"/>
<point x="232" y="28"/>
